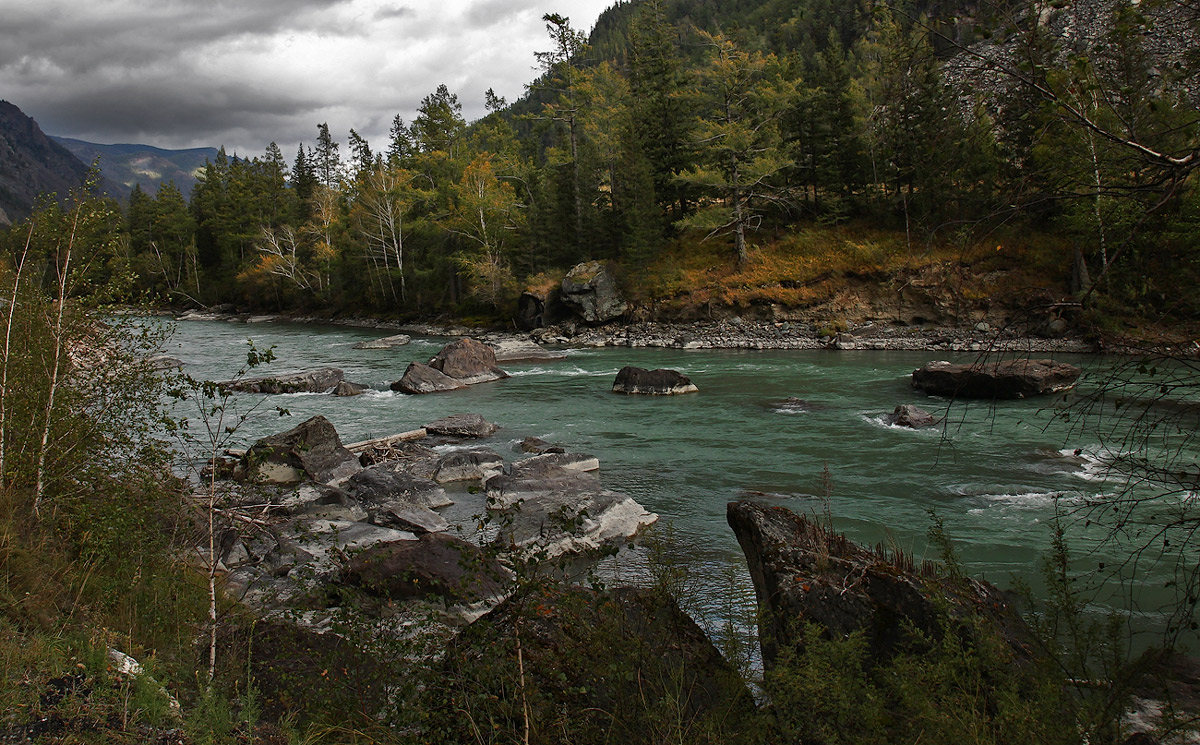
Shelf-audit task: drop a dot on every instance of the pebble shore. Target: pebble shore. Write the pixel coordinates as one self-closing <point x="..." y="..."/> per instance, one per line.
<point x="734" y="333"/>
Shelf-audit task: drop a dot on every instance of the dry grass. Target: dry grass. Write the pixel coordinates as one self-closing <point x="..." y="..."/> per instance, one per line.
<point x="813" y="265"/>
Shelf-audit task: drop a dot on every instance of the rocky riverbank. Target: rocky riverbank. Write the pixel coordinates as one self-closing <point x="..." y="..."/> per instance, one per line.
<point x="733" y="333"/>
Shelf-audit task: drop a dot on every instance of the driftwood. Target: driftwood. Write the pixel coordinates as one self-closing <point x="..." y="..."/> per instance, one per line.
<point x="358" y="447"/>
<point x="382" y="442"/>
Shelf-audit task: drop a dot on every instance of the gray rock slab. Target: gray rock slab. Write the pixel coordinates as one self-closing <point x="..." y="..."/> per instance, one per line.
<point x="387" y="342"/>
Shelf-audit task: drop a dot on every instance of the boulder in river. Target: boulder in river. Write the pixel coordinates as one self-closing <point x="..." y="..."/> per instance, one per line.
<point x="462" y="425"/>
<point x="637" y="380"/>
<point x="320" y="380"/>
<point x="419" y="378"/>
<point x="346" y="388"/>
<point x="590" y="290"/>
<point x="804" y="573"/>
<point x="1005" y="379"/>
<point x="907" y="415"/>
<point x="310" y="450"/>
<point x="468" y="361"/>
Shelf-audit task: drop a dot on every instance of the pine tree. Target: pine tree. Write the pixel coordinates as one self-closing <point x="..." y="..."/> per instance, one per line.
<point x="660" y="116"/>
<point x="738" y="141"/>
<point x="326" y="161"/>
<point x="560" y="76"/>
<point x="362" y="160"/>
<point x="400" y="143"/>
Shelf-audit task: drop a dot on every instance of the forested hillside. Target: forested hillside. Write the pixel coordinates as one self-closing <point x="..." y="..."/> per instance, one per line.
<point x="746" y="154"/>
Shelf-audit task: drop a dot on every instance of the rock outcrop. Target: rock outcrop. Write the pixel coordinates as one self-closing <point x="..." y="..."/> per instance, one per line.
<point x="311" y="450"/>
<point x="590" y="290"/>
<point x="804" y="574"/>
<point x="637" y="380"/>
<point x="1005" y="379"/>
<point x="320" y="380"/>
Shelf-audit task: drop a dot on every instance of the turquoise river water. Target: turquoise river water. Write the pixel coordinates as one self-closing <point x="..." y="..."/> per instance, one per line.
<point x="995" y="473"/>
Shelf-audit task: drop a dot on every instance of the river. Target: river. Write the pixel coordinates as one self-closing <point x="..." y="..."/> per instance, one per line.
<point x="994" y="473"/>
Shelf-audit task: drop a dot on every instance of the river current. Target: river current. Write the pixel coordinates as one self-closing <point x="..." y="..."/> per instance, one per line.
<point x="801" y="429"/>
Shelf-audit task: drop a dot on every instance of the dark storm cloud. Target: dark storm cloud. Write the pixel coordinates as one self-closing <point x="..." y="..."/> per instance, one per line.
<point x="177" y="73"/>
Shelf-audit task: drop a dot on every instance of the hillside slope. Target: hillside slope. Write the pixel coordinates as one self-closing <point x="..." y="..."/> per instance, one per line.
<point x="150" y="167"/>
<point x="31" y="163"/>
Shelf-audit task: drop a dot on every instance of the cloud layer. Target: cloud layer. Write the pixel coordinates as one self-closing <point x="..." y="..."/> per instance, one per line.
<point x="179" y="74"/>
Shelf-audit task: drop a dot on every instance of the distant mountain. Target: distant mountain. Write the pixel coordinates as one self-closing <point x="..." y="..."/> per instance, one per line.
<point x="31" y="163"/>
<point x="127" y="165"/>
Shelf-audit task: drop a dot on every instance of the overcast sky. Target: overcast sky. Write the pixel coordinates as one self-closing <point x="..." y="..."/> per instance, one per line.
<point x="241" y="73"/>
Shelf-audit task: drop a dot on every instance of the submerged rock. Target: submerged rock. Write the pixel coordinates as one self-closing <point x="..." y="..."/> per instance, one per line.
<point x="637" y="380"/>
<point x="907" y="415"/>
<point x="1005" y="379"/>
<point x="310" y="450"/>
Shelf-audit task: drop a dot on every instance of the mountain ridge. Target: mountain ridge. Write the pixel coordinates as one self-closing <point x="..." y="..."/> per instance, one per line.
<point x="130" y="164"/>
<point x="31" y="163"/>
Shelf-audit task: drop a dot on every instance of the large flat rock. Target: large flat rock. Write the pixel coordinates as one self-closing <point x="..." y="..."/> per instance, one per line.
<point x="1017" y="378"/>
